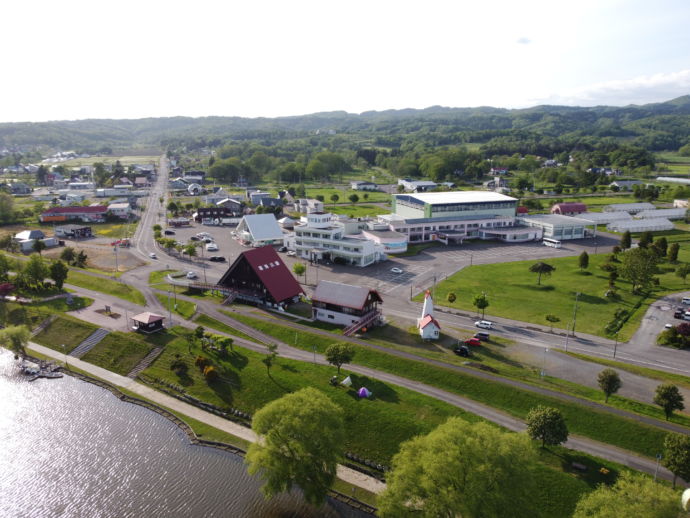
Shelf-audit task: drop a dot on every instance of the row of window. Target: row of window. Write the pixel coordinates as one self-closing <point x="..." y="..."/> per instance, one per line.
<point x="461" y="207"/>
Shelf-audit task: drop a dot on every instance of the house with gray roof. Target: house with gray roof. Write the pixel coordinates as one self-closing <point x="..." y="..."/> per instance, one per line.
<point x="344" y="304"/>
<point x="259" y="230"/>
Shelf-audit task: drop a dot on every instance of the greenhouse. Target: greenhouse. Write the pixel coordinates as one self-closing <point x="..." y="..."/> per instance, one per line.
<point x="630" y="208"/>
<point x="678" y="213"/>
<point x="602" y="218"/>
<point x="640" y="225"/>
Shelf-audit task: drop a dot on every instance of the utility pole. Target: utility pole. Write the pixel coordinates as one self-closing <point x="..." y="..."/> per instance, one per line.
<point x="615" y="346"/>
<point x="577" y="296"/>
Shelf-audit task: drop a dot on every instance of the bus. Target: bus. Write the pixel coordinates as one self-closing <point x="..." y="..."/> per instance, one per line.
<point x="555" y="243"/>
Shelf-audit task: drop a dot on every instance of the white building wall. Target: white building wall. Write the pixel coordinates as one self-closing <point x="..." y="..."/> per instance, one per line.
<point x="430" y="332"/>
<point x="334" y="317"/>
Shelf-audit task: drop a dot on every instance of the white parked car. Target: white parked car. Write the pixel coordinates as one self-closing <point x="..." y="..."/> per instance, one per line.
<point x="484" y="324"/>
<point x="396" y="270"/>
<point x="191" y="275"/>
<point x="153" y="256"/>
<point x="292" y="253"/>
<point x="212" y="247"/>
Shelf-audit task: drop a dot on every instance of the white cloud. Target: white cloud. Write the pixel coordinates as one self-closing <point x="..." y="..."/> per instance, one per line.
<point x="638" y="90"/>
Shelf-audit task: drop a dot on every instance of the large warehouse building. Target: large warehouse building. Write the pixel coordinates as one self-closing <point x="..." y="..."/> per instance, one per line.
<point x="457" y="215"/>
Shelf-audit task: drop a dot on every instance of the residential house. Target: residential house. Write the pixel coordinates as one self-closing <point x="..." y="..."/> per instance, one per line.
<point x="355" y="307"/>
<point x="417" y="185"/>
<point x="363" y="186"/>
<point x="307" y="206"/>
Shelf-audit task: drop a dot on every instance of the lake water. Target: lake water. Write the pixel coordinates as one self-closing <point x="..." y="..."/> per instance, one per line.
<point x="71" y="449"/>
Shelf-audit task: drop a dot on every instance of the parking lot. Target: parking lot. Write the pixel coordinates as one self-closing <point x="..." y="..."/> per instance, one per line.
<point x="417" y="271"/>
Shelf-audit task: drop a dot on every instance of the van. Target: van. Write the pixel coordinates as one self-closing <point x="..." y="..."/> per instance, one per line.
<point x="686" y="300"/>
<point x="482" y="335"/>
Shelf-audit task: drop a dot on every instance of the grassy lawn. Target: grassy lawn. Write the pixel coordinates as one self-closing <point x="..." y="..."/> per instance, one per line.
<point x="213" y="324"/>
<point x="108" y="286"/>
<point x="158" y="277"/>
<point x="358" y="210"/>
<point x="120" y="352"/>
<point x="343" y="193"/>
<point x="35" y="313"/>
<point x="65" y="330"/>
<point x="597" y="425"/>
<point x="376" y="426"/>
<point x="111" y="159"/>
<point x="115" y="230"/>
<point x="182" y="307"/>
<point x="556" y="295"/>
<point x="594" y="203"/>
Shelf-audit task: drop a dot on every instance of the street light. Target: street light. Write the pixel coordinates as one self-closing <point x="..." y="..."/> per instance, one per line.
<point x="543" y="362"/>
<point x="577" y="296"/>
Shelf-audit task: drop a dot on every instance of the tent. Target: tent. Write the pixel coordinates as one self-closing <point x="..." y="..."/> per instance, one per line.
<point x="347" y="382"/>
<point x="364" y="392"/>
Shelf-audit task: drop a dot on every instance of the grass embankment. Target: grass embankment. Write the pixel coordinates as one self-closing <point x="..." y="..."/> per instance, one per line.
<point x="35" y="313"/>
<point x="213" y="324"/>
<point x="107" y="286"/>
<point x="121" y="352"/>
<point x="376" y="426"/>
<point x="159" y="277"/>
<point x="182" y="307"/>
<point x="600" y="426"/>
<point x="65" y="330"/>
<point x="556" y="294"/>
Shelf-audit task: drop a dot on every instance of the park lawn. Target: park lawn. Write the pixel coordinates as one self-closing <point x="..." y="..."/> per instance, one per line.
<point x="343" y="193"/>
<point x="600" y="426"/>
<point x="376" y="427"/>
<point x="213" y="324"/>
<point x="182" y="307"/>
<point x="120" y="352"/>
<point x="357" y="210"/>
<point x="594" y="203"/>
<point x="513" y="293"/>
<point x="159" y="277"/>
<point x="65" y="330"/>
<point x="107" y="286"/>
<point x="33" y="314"/>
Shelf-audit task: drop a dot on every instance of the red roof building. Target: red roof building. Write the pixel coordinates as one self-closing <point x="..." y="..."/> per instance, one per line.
<point x="86" y="214"/>
<point x="260" y="276"/>
<point x="569" y="208"/>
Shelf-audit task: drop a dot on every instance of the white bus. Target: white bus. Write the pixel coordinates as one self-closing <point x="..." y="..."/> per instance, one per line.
<point x="555" y="243"/>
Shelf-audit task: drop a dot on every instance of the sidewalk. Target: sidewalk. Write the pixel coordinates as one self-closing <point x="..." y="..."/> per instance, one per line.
<point x="344" y="473"/>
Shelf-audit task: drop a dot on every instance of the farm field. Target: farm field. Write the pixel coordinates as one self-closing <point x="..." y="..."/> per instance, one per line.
<point x="110" y="159"/>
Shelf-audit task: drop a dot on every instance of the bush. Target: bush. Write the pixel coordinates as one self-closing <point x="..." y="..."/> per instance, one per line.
<point x="179" y="367"/>
<point x="210" y="373"/>
<point x="202" y="362"/>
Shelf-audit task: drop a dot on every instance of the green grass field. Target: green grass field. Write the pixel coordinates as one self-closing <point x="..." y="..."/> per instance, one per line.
<point x="343" y="193"/>
<point x="594" y="203"/>
<point x="509" y="286"/>
<point x="120" y="352"/>
<point x="110" y="159"/>
<point x="65" y="330"/>
<point x="115" y="230"/>
<point x="107" y="286"/>
<point x="357" y="211"/>
<point x="376" y="426"/>
<point x="215" y="325"/>
<point x="182" y="307"/>
<point x="597" y="425"/>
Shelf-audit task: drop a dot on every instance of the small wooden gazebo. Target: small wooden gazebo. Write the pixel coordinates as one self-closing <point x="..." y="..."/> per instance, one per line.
<point x="147" y="322"/>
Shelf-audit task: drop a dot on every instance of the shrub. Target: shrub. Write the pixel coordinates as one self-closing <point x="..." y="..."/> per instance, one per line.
<point x="202" y="362"/>
<point x="210" y="373"/>
<point x="179" y="367"/>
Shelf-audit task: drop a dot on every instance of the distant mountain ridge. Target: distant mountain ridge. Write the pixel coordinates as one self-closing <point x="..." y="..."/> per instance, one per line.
<point x="663" y="125"/>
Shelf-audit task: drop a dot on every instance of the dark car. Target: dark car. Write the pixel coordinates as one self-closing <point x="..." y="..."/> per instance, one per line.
<point x="678" y="314"/>
<point x="283" y="249"/>
<point x="194" y="238"/>
<point x="169" y="232"/>
<point x="462" y="350"/>
<point x="217" y="258"/>
<point x="482" y="335"/>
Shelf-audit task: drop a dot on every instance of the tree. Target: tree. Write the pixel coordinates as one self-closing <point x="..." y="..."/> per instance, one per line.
<point x="552" y="319"/>
<point x="38" y="246"/>
<point x="541" y="268"/>
<point x="6" y="208"/>
<point x="353" y="198"/>
<point x="547" y="425"/>
<point x="68" y="255"/>
<point x="339" y="354"/>
<point x="645" y="240"/>
<point x="481" y="302"/>
<point x="638" y="265"/>
<point x="80" y="261"/>
<point x="5" y="268"/>
<point x="301" y="439"/>
<point x="270" y="357"/>
<point x="59" y="272"/>
<point x="631" y="495"/>
<point x="35" y="270"/>
<point x="190" y="250"/>
<point x="626" y="240"/>
<point x="609" y="382"/>
<point x="661" y="246"/>
<point x="334" y="198"/>
<point x="365" y="196"/>
<point x="677" y="455"/>
<point x="451" y="297"/>
<point x="683" y="271"/>
<point x="224" y="342"/>
<point x="669" y="398"/>
<point x="157" y="228"/>
<point x="172" y="207"/>
<point x="299" y="269"/>
<point x="583" y="260"/>
<point x="461" y="469"/>
<point x="15" y="338"/>
<point x="672" y="253"/>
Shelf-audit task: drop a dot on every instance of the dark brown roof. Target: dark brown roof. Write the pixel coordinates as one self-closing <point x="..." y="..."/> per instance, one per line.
<point x="345" y="295"/>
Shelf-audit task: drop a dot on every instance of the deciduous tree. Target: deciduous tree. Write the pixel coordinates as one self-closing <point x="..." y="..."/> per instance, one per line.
<point x="451" y="297"/>
<point x="15" y="338"/>
<point x="631" y="495"/>
<point x="583" y="260"/>
<point x="461" y="469"/>
<point x="638" y="266"/>
<point x="38" y="246"/>
<point x="609" y="382"/>
<point x="299" y="269"/>
<point x="626" y="240"/>
<point x="301" y="439"/>
<point x="677" y="455"/>
<point x="552" y="319"/>
<point x="672" y="254"/>
<point x="540" y="269"/>
<point x="59" y="273"/>
<point x="35" y="270"/>
<point x="481" y="302"/>
<point x="339" y="354"/>
<point x="547" y="425"/>
<point x="683" y="271"/>
<point x="669" y="398"/>
<point x="353" y="198"/>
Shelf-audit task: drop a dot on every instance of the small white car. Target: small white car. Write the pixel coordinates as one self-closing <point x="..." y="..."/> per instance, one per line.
<point x="484" y="324"/>
<point x="395" y="269"/>
<point x="292" y="253"/>
<point x="153" y="256"/>
<point x="668" y="326"/>
<point x="191" y="275"/>
<point x="212" y="247"/>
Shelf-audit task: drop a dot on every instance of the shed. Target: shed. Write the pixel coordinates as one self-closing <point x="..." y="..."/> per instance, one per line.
<point x="147" y="322"/>
<point x="569" y="208"/>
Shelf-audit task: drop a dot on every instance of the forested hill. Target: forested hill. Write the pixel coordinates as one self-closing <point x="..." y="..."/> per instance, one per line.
<point x="659" y="126"/>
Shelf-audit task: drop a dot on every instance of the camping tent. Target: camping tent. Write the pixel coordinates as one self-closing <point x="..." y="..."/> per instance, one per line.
<point x="364" y="392"/>
<point x="347" y="382"/>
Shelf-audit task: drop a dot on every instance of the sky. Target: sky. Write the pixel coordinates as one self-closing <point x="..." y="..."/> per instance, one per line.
<point x="124" y="59"/>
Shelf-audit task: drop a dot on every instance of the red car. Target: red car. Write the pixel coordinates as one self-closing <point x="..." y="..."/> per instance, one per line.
<point x="473" y="341"/>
